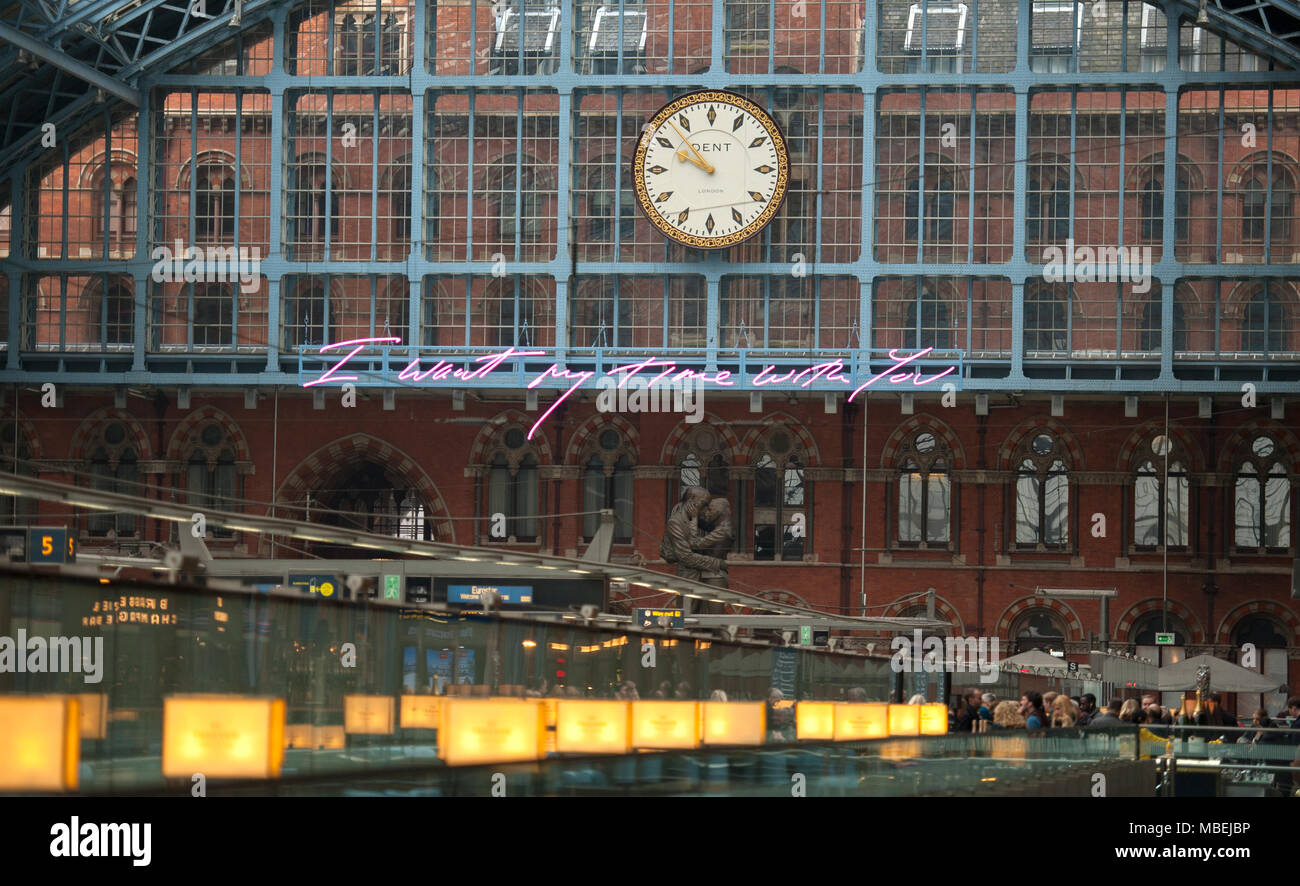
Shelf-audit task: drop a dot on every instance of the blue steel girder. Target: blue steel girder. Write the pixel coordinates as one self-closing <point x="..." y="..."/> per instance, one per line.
<point x="1268" y="27"/>
<point x="68" y="64"/>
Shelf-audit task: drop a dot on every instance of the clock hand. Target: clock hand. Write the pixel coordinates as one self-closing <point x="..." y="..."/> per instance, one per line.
<point x="698" y="161"/>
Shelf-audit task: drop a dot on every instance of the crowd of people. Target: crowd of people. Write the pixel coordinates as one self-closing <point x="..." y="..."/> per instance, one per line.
<point x="980" y="711"/>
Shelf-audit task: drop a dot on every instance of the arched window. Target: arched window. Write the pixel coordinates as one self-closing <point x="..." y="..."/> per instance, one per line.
<point x="1269" y="637"/>
<point x="607" y="484"/>
<point x="1152" y="196"/>
<point x="1160" y="511"/>
<point x="940" y="203"/>
<point x="313" y="206"/>
<point x="397" y="191"/>
<point x="519" y="200"/>
<point x="1042" y="492"/>
<point x="393" y="311"/>
<point x="935" y="328"/>
<point x="1143" y="637"/>
<point x="1039" y="629"/>
<point x="924" y="491"/>
<point x="214" y="201"/>
<point x="1263" y="497"/>
<point x="1255" y="204"/>
<point x="780" y="498"/>
<point x="512" y="488"/>
<point x="210" y="478"/>
<point x="700" y="463"/>
<point x="214" y="315"/>
<point x="119" y="313"/>
<point x="1047" y="204"/>
<point x="1263" y="324"/>
<point x="304" y="316"/>
<point x="1150" y="334"/>
<point x="1046" y="326"/>
<point x="369" y="497"/>
<point x="600" y="201"/>
<point x="113" y="467"/>
<point x="115" y="209"/>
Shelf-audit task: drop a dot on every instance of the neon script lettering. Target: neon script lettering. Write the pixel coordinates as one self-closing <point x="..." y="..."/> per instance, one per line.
<point x="658" y="371"/>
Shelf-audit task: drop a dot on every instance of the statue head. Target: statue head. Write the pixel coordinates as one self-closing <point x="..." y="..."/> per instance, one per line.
<point x="694" y="498"/>
<point x="717" y="510"/>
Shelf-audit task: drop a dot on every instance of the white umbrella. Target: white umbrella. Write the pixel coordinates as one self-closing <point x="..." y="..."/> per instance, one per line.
<point x="1224" y="676"/>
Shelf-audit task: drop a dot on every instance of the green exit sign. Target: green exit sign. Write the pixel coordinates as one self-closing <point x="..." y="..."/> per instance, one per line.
<point x="392" y="587"/>
<point x="805" y="635"/>
<point x="1164" y="639"/>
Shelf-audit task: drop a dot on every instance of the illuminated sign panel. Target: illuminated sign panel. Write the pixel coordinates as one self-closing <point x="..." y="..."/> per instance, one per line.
<point x="474" y="593"/>
<point x="735" y="722"/>
<point x="327" y="586"/>
<point x="815" y="720"/>
<point x="490" y="731"/>
<point x="222" y="736"/>
<point x="49" y="545"/>
<point x="666" y="724"/>
<point x="660" y="618"/>
<point x="133" y="609"/>
<point x="856" y="721"/>
<point x="421" y="711"/>
<point x="584" y="726"/>
<point x="904" y="719"/>
<point x="934" y="719"/>
<point x="368" y="714"/>
<point x="40" y="742"/>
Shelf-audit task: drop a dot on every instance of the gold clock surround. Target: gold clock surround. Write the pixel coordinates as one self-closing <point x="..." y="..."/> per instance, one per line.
<point x="735" y="100"/>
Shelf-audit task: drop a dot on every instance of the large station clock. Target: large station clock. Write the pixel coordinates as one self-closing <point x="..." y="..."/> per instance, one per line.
<point x="711" y="169"/>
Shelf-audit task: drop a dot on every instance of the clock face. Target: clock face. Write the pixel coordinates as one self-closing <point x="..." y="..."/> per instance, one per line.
<point x="711" y="169"/>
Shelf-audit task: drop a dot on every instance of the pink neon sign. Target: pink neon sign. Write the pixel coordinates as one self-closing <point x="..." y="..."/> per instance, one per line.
<point x="659" y="371"/>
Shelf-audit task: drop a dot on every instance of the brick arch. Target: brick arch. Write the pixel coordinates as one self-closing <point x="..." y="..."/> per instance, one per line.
<point x="1124" y="626"/>
<point x="590" y="428"/>
<point x="1240" y="296"/>
<point x="1128" y="453"/>
<point x="942" y="609"/>
<point x="1240" y="437"/>
<point x="924" y="421"/>
<point x="200" y="417"/>
<point x="1154" y="164"/>
<point x="1235" y="178"/>
<point x="500" y="422"/>
<point x="1007" y="451"/>
<point x="314" y="470"/>
<point x="28" y="431"/>
<point x="1288" y="618"/>
<point x="81" y="438"/>
<point x="1073" y="625"/>
<point x="731" y="449"/>
<point x="793" y="425"/>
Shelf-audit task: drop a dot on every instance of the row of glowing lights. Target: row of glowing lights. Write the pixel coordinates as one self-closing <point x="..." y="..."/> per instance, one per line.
<point x="610" y="644"/>
<point x="235" y="736"/>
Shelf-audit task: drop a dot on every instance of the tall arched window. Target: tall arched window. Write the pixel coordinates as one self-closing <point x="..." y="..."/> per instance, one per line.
<point x="1039" y="629"/>
<point x="119" y="313"/>
<point x="210" y="478"/>
<point x="512" y="489"/>
<point x="1263" y="324"/>
<point x="940" y="203"/>
<point x="113" y="467"/>
<point x="1160" y="511"/>
<point x="1046" y="325"/>
<point x="115" y="209"/>
<point x="781" y="526"/>
<point x="935" y="328"/>
<point x="304" y="316"/>
<point x="1152" y="196"/>
<point x="607" y="484"/>
<point x="924" y="491"/>
<point x="1047" y="204"/>
<point x="313" y="206"/>
<point x="700" y="463"/>
<point x="393" y="311"/>
<point x="600" y="202"/>
<point x="1149" y="339"/>
<point x="1042" y="492"/>
<point x="1255" y="204"/>
<point x="397" y="195"/>
<point x="214" y="201"/>
<point x="1263" y="497"/>
<point x="214" y="315"/>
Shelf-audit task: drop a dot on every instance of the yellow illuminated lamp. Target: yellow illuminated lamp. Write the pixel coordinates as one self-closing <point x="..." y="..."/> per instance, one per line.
<point x="298" y="735"/>
<point x="1010" y="747"/>
<point x="660" y="725"/>
<point x="815" y="720"/>
<point x="420" y="711"/>
<point x="94" y="714"/>
<point x="735" y="722"/>
<point x="40" y="742"/>
<point x="491" y="730"/>
<point x="368" y="714"/>
<point x="858" y="721"/>
<point x="904" y="719"/>
<point x="588" y="726"/>
<point x="329" y="738"/>
<point x="222" y="736"/>
<point x="934" y="719"/>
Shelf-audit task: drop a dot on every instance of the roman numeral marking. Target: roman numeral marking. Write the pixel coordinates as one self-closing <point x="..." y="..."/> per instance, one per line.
<point x="686" y="124"/>
<point x="740" y="121"/>
<point x="758" y="198"/>
<point x="737" y="217"/>
<point x="681" y="218"/>
<point x="663" y="197"/>
<point x="763" y="169"/>
<point x="758" y="141"/>
<point x="656" y="169"/>
<point x="663" y="141"/>
<point x="708" y="223"/>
